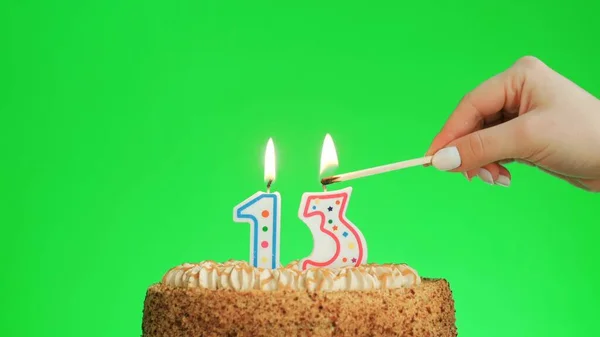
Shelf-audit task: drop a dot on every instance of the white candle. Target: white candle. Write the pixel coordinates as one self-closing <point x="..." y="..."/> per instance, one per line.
<point x="263" y="212"/>
<point x="337" y="241"/>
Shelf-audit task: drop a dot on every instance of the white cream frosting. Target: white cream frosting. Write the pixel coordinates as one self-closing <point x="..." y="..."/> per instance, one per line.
<point x="240" y="276"/>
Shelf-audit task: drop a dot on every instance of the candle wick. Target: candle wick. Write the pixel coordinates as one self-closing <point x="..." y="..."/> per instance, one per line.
<point x="269" y="186"/>
<point x="324" y="188"/>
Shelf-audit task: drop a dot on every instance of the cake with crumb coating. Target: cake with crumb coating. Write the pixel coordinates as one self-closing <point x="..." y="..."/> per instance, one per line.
<point x="236" y="299"/>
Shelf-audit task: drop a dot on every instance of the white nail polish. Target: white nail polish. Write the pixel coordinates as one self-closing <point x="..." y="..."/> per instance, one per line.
<point x="486" y="176"/>
<point x="446" y="159"/>
<point x="503" y="181"/>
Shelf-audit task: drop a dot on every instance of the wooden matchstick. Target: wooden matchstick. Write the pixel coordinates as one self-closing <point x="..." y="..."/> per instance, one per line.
<point x="376" y="170"/>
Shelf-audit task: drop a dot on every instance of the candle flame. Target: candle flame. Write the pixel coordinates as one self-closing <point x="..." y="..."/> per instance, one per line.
<point x="270" y="161"/>
<point x="329" y="158"/>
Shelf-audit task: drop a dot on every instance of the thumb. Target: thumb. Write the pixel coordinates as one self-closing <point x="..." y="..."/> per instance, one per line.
<point x="482" y="147"/>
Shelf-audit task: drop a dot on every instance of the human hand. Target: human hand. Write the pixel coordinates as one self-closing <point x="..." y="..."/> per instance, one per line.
<point x="530" y="114"/>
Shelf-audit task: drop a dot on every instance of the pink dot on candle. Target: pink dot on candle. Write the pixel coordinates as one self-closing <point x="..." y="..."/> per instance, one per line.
<point x="264" y="244"/>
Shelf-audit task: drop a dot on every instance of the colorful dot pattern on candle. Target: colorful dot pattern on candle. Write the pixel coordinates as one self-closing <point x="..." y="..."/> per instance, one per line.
<point x="262" y="211"/>
<point x="331" y="247"/>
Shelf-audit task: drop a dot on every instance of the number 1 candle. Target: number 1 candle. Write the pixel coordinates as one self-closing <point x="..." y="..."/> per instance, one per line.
<point x="337" y="241"/>
<point x="263" y="212"/>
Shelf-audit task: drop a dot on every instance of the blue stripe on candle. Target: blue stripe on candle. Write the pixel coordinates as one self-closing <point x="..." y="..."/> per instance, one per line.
<point x="274" y="249"/>
<point x="255" y="231"/>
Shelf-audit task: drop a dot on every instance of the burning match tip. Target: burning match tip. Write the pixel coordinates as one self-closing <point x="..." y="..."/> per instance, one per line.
<point x="329" y="180"/>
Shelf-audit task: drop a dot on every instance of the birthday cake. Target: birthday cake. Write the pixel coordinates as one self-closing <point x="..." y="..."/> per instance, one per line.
<point x="332" y="292"/>
<point x="236" y="299"/>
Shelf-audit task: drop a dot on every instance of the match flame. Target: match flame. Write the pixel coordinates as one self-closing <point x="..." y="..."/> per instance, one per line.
<point x="270" y="161"/>
<point x="329" y="158"/>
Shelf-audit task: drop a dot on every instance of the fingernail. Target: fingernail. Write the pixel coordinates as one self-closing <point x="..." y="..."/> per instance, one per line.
<point x="446" y="159"/>
<point x="486" y="176"/>
<point x="466" y="176"/>
<point x="503" y="181"/>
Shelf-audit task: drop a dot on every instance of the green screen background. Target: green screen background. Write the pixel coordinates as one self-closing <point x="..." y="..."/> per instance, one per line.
<point x="130" y="129"/>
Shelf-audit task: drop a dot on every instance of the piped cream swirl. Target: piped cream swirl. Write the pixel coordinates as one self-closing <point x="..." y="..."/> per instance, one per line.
<point x="240" y="276"/>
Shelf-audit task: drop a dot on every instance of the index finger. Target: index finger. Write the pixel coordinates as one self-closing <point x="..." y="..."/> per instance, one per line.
<point x="485" y="102"/>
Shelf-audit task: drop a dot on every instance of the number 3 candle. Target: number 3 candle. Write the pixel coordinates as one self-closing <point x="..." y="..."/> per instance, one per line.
<point x="337" y="241"/>
<point x="263" y="212"/>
